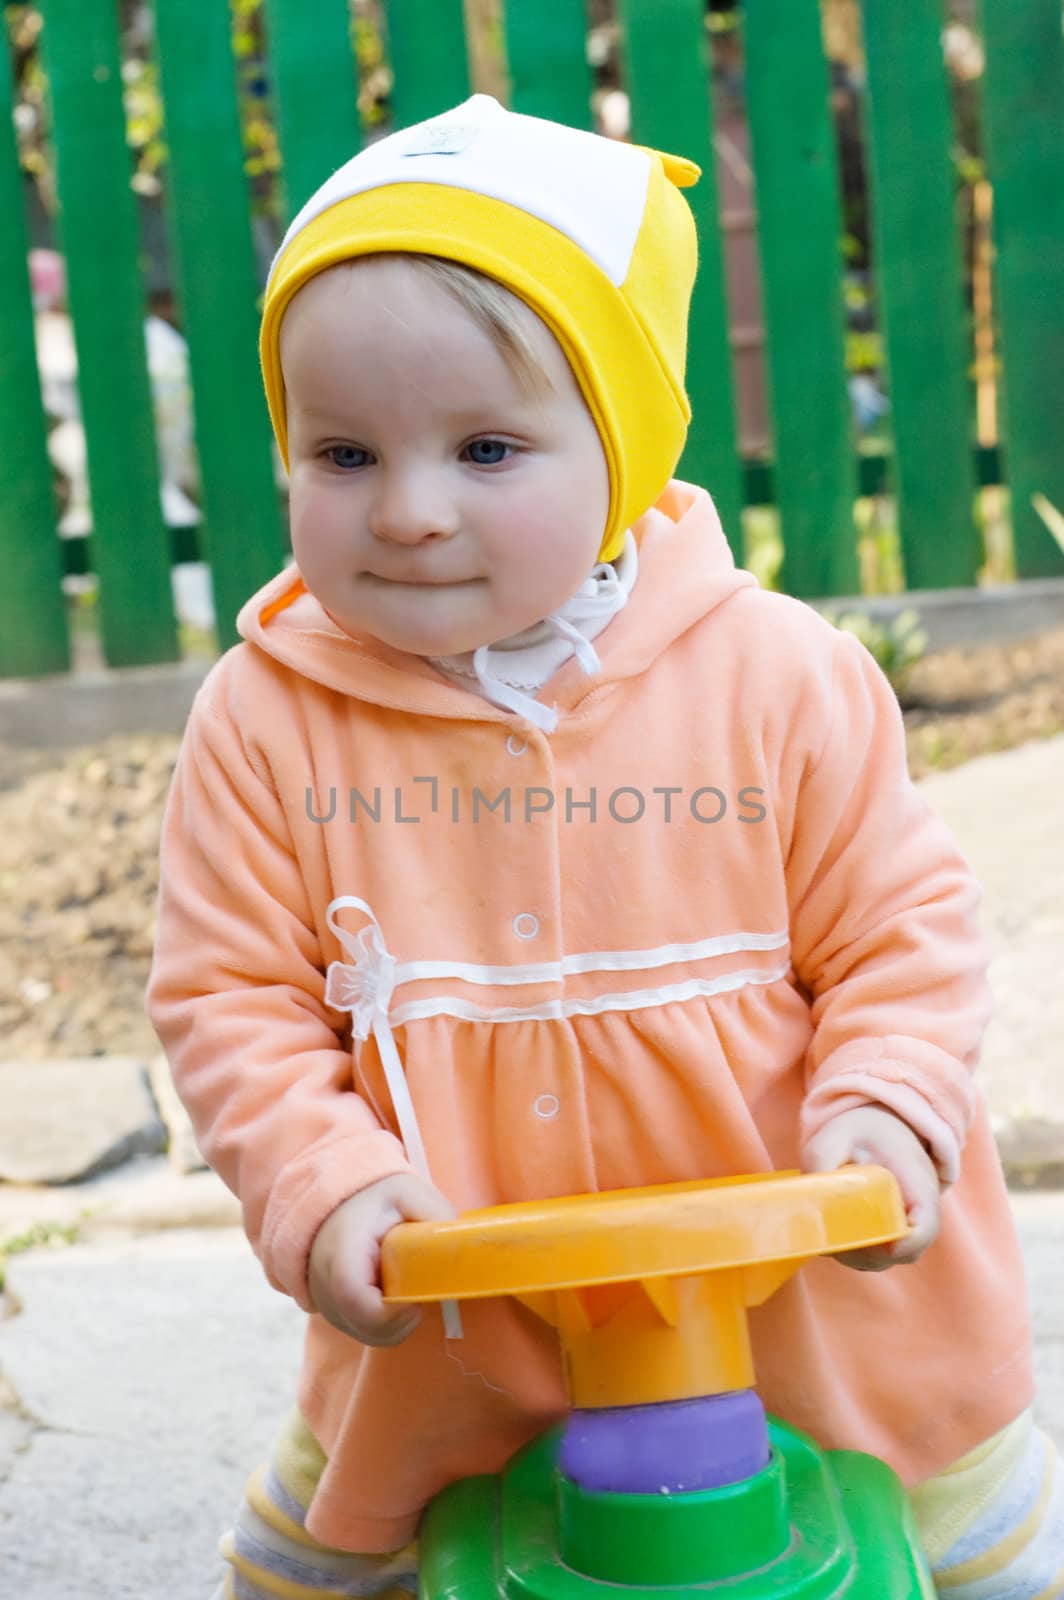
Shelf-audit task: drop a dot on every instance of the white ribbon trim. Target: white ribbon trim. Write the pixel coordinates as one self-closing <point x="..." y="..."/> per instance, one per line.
<point x="665" y="955"/>
<point x="558" y="1010"/>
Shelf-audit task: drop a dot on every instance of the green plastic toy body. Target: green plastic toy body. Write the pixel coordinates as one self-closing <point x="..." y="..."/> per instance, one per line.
<point x="814" y="1525"/>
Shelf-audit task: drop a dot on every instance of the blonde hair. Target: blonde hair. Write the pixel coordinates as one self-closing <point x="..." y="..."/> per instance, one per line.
<point x="500" y="313"/>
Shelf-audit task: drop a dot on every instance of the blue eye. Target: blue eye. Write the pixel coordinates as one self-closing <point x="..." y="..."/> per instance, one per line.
<point x="346" y="456"/>
<point x="488" y="445"/>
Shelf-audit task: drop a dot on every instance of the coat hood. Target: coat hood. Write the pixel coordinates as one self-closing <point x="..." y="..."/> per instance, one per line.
<point x="686" y="570"/>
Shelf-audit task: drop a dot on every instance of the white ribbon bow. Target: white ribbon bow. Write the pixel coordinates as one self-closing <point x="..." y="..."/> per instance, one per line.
<point x="366" y="988"/>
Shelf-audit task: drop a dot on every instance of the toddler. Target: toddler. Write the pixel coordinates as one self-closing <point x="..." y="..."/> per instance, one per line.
<point x="526" y="847"/>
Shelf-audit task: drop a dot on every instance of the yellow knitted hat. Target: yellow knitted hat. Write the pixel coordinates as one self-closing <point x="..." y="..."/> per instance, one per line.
<point x="590" y="232"/>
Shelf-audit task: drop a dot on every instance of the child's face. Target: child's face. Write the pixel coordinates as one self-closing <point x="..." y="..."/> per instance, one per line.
<point x="435" y="504"/>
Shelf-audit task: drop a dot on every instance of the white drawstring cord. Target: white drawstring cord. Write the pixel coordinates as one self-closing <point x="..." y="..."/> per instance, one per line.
<point x="608" y="598"/>
<point x="366" y="991"/>
<point x="501" y="694"/>
<point x="601" y="595"/>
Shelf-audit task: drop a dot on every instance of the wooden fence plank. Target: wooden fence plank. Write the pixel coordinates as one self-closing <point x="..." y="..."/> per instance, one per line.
<point x="1024" y="129"/>
<point x="815" y="473"/>
<point x="920" y="292"/>
<point x="800" y="232"/>
<point x="315" y="90"/>
<point x="667" y="74"/>
<point x="427" y="48"/>
<point x="208" y="204"/>
<point x="33" y="635"/>
<point x="99" y="228"/>
<point x="547" y="53"/>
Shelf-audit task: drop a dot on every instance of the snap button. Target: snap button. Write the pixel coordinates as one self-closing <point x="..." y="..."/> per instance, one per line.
<point x="525" y="925"/>
<point x="516" y="747"/>
<point x="546" y="1106"/>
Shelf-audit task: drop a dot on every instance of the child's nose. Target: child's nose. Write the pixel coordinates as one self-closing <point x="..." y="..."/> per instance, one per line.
<point x="411" y="508"/>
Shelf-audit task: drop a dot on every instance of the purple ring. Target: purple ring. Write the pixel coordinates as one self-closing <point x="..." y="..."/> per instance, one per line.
<point x="674" y="1445"/>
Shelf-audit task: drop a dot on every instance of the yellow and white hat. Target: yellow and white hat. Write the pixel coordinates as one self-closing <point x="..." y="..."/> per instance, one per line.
<point x="592" y="233"/>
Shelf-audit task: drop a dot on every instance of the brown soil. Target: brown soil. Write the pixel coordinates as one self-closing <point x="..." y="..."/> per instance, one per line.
<point x="964" y="703"/>
<point x="79" y="836"/>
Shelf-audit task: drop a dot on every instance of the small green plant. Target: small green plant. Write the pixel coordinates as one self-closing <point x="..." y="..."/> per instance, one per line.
<point x="896" y="646"/>
<point x="933" y="748"/>
<point x="763" y="544"/>
<point x="197" y="641"/>
<point x="40" y="1235"/>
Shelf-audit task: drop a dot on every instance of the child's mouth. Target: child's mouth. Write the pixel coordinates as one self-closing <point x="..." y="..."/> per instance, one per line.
<point x="421" y="583"/>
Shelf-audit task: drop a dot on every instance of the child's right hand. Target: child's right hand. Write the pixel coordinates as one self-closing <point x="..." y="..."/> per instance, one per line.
<point x="345" y="1257"/>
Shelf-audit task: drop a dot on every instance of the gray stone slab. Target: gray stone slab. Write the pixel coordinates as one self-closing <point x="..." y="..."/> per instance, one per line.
<point x="1040" y="1219"/>
<point x="1007" y="813"/>
<point x="108" y="1533"/>
<point x="143" y="1195"/>
<point x="182" y="1149"/>
<point x="63" y="1120"/>
<point x="1032" y="1152"/>
<point x="952" y="617"/>
<point x="64" y="711"/>
<point x="155" y="1374"/>
<point x="15" y="1430"/>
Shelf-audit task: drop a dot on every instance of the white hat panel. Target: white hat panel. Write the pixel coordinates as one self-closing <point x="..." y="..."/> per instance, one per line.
<point x="591" y="188"/>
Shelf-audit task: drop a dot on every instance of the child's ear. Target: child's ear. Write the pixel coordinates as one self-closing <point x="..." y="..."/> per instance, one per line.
<point x="678" y="169"/>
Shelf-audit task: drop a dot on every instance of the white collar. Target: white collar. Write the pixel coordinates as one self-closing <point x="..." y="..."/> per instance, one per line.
<point x="510" y="670"/>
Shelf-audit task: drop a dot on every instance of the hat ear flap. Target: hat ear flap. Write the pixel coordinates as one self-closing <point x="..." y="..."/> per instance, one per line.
<point x="683" y="173"/>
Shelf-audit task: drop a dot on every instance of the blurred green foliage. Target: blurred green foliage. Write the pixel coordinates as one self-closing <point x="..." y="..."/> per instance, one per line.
<point x="896" y="646"/>
<point x="145" y="117"/>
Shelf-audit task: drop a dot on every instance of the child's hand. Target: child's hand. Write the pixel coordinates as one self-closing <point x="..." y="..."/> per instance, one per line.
<point x="872" y="1135"/>
<point x="345" y="1257"/>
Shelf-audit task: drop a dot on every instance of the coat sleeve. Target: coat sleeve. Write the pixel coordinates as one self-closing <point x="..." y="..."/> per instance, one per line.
<point x="236" y="996"/>
<point x="885" y="928"/>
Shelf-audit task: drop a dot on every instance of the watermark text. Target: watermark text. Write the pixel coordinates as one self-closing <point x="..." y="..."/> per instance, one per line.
<point x="625" y="804"/>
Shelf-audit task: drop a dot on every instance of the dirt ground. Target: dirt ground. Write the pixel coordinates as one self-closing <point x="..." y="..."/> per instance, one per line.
<point x="79" y="836"/>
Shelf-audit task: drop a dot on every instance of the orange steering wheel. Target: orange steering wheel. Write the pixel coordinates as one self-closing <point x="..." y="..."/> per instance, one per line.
<point x="648" y="1288"/>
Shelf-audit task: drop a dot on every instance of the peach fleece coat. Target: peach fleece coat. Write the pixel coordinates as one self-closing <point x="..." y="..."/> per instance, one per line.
<point x="712" y="912"/>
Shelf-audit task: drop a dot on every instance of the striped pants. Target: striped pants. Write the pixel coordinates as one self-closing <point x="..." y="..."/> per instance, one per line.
<point x="992" y="1526"/>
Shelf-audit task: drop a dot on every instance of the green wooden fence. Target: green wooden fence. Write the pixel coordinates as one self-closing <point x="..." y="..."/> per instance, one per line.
<point x="933" y="469"/>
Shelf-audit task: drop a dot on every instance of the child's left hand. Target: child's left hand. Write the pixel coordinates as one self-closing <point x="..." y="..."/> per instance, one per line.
<point x="872" y="1135"/>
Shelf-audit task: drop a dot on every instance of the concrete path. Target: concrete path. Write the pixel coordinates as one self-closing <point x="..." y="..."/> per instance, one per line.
<point x="1007" y="812"/>
<point x="150" y="1376"/>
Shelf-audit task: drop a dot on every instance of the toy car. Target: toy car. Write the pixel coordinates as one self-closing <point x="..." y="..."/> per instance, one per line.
<point x="667" y="1474"/>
